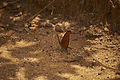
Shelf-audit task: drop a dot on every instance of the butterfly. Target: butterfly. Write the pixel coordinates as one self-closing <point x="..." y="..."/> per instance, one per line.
<point x="65" y="40"/>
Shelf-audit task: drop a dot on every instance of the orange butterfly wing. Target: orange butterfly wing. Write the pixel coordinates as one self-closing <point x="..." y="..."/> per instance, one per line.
<point x="65" y="40"/>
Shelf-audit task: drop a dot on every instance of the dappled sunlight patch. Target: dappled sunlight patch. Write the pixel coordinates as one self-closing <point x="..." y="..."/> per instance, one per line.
<point x="45" y="22"/>
<point x="31" y="59"/>
<point x="72" y="76"/>
<point x="19" y="44"/>
<point x="61" y="26"/>
<point x="36" y="19"/>
<point x="21" y="74"/>
<point x="6" y="54"/>
<point x="64" y="24"/>
<point x="17" y="17"/>
<point x="40" y="78"/>
<point x="65" y="75"/>
<point x="81" y="69"/>
<point x="24" y="43"/>
<point x="36" y="52"/>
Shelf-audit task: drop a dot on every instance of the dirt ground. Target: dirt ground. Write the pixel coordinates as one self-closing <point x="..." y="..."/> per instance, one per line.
<point x="32" y="52"/>
<point x="35" y="54"/>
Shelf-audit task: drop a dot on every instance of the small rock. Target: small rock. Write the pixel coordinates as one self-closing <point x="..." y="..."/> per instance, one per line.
<point x="99" y="73"/>
<point x="48" y="25"/>
<point x="102" y="69"/>
<point x="58" y="29"/>
<point x="106" y="29"/>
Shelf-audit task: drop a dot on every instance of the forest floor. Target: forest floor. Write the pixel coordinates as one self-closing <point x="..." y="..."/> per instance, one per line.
<point x="35" y="53"/>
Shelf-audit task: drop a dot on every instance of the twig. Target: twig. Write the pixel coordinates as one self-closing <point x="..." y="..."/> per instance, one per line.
<point x="12" y="2"/>
<point x="39" y="11"/>
<point x="101" y="64"/>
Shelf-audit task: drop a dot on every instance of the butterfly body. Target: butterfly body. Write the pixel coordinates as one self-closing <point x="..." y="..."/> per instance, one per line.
<point x="65" y="40"/>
